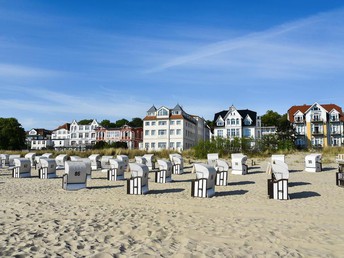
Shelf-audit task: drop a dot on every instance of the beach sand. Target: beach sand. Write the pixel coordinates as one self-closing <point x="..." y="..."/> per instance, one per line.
<point x="40" y="219"/>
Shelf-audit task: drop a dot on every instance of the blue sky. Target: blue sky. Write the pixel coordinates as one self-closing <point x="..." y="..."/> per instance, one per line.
<point x="65" y="60"/>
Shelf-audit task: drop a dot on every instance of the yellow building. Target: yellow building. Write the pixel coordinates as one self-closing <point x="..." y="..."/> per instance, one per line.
<point x="317" y="125"/>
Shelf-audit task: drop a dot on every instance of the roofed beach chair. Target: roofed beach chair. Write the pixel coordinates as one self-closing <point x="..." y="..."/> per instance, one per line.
<point x="204" y="184"/>
<point x="11" y="159"/>
<point x="74" y="158"/>
<point x="75" y="176"/>
<point x="47" y="168"/>
<point x="87" y="162"/>
<point x="21" y="168"/>
<point x="239" y="166"/>
<point x="221" y="168"/>
<point x="116" y="171"/>
<point x="4" y="160"/>
<point x="340" y="173"/>
<point x="278" y="184"/>
<point x="95" y="161"/>
<point x="164" y="174"/>
<point x="313" y="163"/>
<point x="177" y="163"/>
<point x="48" y="155"/>
<point x="138" y="182"/>
<point x="141" y="160"/>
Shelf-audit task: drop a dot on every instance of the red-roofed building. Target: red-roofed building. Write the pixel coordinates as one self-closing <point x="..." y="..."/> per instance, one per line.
<point x="317" y="125"/>
<point x="61" y="137"/>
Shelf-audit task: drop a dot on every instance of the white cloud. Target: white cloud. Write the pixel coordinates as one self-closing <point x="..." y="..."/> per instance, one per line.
<point x="10" y="70"/>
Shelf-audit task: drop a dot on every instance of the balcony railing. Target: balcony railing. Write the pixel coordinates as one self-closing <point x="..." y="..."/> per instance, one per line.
<point x="299" y="121"/>
<point x="317" y="120"/>
<point x="334" y="120"/>
<point x="336" y="132"/>
<point x="317" y="132"/>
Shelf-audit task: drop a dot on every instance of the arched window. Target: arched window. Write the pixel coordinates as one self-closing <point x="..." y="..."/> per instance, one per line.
<point x="232" y="121"/>
<point x="162" y="112"/>
<point x="237" y="121"/>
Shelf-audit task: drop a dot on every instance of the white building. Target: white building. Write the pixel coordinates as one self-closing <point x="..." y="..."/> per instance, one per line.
<point x="83" y="136"/>
<point x="234" y="123"/>
<point x="39" y="139"/>
<point x="165" y="128"/>
<point x="61" y="137"/>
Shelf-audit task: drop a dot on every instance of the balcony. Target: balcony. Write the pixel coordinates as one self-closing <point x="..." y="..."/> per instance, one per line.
<point x="336" y="132"/>
<point x="317" y="132"/>
<point x="317" y="120"/>
<point x="334" y="120"/>
<point x="300" y="133"/>
<point x="299" y="121"/>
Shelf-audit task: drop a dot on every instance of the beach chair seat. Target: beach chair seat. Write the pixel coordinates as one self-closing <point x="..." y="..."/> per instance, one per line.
<point x="31" y="156"/>
<point x="204" y="184"/>
<point x="313" y="163"/>
<point x="88" y="165"/>
<point x="4" y="160"/>
<point x="340" y="179"/>
<point x="105" y="163"/>
<point x="47" y="168"/>
<point x="60" y="161"/>
<point x="125" y="159"/>
<point x="149" y="161"/>
<point x="212" y="158"/>
<point x="11" y="159"/>
<point x="239" y="166"/>
<point x="138" y="182"/>
<point x="21" y="168"/>
<point x="164" y="174"/>
<point x="95" y="161"/>
<point x="116" y="171"/>
<point x="75" y="176"/>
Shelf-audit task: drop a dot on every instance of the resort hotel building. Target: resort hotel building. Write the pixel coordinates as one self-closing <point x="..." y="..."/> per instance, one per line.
<point x="173" y="129"/>
<point x="317" y="125"/>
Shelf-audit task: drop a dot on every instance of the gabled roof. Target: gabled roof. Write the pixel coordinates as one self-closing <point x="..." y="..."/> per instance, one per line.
<point x="304" y="108"/>
<point x="152" y="109"/>
<point x="243" y="113"/>
<point x="64" y="126"/>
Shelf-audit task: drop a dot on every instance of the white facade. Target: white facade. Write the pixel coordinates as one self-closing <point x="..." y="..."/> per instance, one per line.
<point x="61" y="137"/>
<point x="233" y="123"/>
<point x="83" y="135"/>
<point x="39" y="139"/>
<point x="173" y="129"/>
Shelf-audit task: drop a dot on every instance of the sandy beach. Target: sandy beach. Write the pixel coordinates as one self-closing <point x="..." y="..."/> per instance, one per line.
<point x="40" y="219"/>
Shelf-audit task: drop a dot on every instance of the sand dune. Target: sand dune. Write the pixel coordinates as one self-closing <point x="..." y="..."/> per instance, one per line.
<point x="39" y="218"/>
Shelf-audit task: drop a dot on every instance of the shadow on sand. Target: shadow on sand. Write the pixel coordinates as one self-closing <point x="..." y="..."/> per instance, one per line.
<point x="292" y="184"/>
<point x="227" y="193"/>
<point x="104" y="187"/>
<point x="164" y="191"/>
<point x="242" y="183"/>
<point x="302" y="195"/>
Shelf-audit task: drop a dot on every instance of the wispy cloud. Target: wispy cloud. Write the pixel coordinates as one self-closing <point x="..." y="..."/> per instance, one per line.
<point x="10" y="70"/>
<point x="281" y="48"/>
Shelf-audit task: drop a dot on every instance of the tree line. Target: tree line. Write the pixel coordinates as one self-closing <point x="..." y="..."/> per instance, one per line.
<point x="135" y="122"/>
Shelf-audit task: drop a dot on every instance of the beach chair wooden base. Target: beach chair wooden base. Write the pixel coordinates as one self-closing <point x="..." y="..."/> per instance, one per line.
<point x="221" y="178"/>
<point x="112" y="175"/>
<point x="278" y="189"/>
<point x="176" y="169"/>
<point x="16" y="173"/>
<point x="71" y="186"/>
<point x="160" y="177"/>
<point x="134" y="186"/>
<point x="199" y="188"/>
<point x="43" y="174"/>
<point x="340" y="179"/>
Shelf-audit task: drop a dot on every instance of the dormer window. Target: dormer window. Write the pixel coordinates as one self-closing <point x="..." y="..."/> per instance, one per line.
<point x="175" y="112"/>
<point x="151" y="113"/>
<point x="162" y="112"/>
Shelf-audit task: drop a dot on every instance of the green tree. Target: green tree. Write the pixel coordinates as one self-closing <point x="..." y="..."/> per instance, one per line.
<point x="136" y="122"/>
<point x="121" y="122"/>
<point x="271" y="118"/>
<point x="107" y="124"/>
<point x="12" y="134"/>
<point x="85" y="121"/>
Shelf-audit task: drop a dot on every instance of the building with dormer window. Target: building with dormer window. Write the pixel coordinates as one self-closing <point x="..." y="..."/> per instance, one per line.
<point x="83" y="136"/>
<point x="61" y="136"/>
<point x="174" y="129"/>
<point x="235" y="123"/>
<point x="317" y="125"/>
<point x="39" y="138"/>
